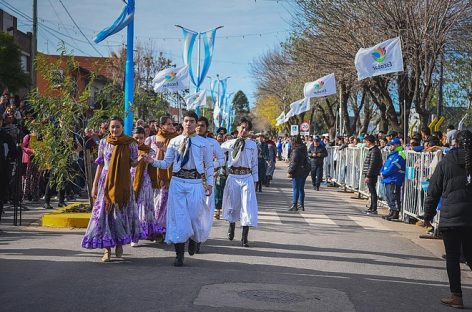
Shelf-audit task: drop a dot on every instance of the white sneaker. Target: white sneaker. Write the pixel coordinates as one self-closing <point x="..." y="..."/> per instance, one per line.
<point x="133" y="244"/>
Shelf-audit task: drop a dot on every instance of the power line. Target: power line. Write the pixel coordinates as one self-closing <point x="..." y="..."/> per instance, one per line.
<point x="46" y="28"/>
<point x="73" y="21"/>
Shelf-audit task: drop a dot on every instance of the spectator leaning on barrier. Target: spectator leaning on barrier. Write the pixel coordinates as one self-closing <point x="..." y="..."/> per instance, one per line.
<point x="317" y="154"/>
<point x="371" y="171"/>
<point x="393" y="174"/>
<point x="452" y="182"/>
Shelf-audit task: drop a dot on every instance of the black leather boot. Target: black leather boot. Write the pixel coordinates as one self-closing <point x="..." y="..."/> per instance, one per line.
<point x="192" y="246"/>
<point x="231" y="231"/>
<point x="179" y="252"/>
<point x="293" y="208"/>
<point x="244" y="241"/>
<point x="395" y="215"/>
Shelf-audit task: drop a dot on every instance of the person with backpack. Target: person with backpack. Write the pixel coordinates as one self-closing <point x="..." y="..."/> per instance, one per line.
<point x="298" y="170"/>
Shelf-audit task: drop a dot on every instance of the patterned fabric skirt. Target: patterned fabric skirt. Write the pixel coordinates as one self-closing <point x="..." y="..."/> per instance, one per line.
<point x="120" y="226"/>
<point x="147" y="217"/>
<point x="32" y="179"/>
<point x="161" y="197"/>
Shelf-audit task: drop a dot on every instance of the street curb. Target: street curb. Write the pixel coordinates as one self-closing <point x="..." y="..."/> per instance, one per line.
<point x="61" y="219"/>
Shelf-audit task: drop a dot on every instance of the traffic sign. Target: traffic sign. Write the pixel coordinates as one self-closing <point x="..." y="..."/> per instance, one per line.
<point x="305" y="126"/>
<point x="293" y="129"/>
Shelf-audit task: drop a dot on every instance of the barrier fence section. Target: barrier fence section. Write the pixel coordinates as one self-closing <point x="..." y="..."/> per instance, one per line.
<point x="344" y="167"/>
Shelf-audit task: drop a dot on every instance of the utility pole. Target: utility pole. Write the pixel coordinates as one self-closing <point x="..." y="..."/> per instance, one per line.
<point x="34" y="43"/>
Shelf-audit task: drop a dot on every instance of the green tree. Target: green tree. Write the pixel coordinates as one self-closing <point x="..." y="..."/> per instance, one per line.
<point x="11" y="74"/>
<point x="241" y="106"/>
<point x="61" y="117"/>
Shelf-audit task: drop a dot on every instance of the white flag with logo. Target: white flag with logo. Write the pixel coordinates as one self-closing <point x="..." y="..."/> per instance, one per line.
<point x="384" y="58"/>
<point x="300" y="106"/>
<point x="281" y="119"/>
<point x="322" y="87"/>
<point x="172" y="79"/>
<point x="196" y="100"/>
<point x="288" y="115"/>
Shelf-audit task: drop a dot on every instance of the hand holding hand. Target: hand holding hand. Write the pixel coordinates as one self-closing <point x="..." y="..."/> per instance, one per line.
<point x="427" y="223"/>
<point x="367" y="180"/>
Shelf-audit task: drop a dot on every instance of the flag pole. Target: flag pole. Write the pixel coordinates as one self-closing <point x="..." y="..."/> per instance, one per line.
<point x="129" y="80"/>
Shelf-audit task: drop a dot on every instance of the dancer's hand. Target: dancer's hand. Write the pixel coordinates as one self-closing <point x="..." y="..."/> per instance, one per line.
<point x="148" y="159"/>
<point x="427" y="223"/>
<point x="208" y="190"/>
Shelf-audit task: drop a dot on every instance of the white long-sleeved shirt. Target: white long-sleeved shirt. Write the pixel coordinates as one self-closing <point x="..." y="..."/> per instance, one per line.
<point x="218" y="154"/>
<point x="247" y="159"/>
<point x="200" y="154"/>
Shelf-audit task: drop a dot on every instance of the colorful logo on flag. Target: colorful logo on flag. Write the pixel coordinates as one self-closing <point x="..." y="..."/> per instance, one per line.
<point x="379" y="54"/>
<point x="170" y="77"/>
<point x="318" y="85"/>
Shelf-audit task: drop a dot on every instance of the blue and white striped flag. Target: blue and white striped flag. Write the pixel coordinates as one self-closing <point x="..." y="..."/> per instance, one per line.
<point x="126" y="16"/>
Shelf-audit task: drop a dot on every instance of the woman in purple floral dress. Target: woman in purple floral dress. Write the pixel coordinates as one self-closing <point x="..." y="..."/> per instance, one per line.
<point x="114" y="221"/>
<point x="143" y="190"/>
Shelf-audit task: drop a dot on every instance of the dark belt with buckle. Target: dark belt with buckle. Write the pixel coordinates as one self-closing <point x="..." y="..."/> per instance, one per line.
<point x="187" y="174"/>
<point x="239" y="170"/>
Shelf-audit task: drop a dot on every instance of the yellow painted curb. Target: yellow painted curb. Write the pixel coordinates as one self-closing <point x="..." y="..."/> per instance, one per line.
<point x="60" y="219"/>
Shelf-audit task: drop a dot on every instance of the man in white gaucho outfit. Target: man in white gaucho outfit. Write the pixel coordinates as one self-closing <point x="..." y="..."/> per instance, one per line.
<point x="192" y="179"/>
<point x="218" y="160"/>
<point x="239" y="196"/>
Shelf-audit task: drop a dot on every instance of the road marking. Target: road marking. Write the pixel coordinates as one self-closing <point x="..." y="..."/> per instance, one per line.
<point x="266" y="217"/>
<point x="314" y="219"/>
<point x="369" y="223"/>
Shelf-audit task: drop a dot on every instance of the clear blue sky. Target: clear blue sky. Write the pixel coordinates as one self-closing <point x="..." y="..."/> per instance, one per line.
<point x="263" y="23"/>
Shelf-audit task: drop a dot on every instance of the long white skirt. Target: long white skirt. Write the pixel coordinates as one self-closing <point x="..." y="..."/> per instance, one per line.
<point x="209" y="211"/>
<point x="239" y="200"/>
<point x="186" y="215"/>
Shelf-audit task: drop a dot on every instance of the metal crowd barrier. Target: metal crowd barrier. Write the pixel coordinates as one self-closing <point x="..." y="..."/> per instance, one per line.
<point x="344" y="168"/>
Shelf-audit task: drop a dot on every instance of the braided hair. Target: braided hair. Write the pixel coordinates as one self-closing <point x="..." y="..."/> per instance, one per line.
<point x="464" y="140"/>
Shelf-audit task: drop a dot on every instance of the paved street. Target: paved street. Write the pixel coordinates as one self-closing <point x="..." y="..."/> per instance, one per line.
<point x="330" y="258"/>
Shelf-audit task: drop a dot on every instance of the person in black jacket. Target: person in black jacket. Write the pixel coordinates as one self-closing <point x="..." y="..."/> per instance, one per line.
<point x="371" y="170"/>
<point x="8" y="153"/>
<point x="298" y="170"/>
<point x="317" y="153"/>
<point x="452" y="184"/>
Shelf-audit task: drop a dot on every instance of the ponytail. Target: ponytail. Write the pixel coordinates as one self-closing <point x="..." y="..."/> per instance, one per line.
<point x="464" y="140"/>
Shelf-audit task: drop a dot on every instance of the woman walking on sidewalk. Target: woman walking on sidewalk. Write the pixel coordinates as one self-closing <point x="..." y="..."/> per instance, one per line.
<point x="114" y="220"/>
<point x="298" y="170"/>
<point x="452" y="182"/>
